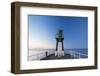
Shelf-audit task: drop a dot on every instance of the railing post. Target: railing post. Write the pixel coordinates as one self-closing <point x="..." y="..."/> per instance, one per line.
<point x="74" y="55"/>
<point x="37" y="56"/>
<point x="79" y="55"/>
<point x="71" y="53"/>
<point x="46" y="53"/>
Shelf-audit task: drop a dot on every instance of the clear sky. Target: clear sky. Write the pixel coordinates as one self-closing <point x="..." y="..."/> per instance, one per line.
<point x="43" y="29"/>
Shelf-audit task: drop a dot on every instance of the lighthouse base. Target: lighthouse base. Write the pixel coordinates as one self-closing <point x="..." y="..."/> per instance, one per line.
<point x="59" y="53"/>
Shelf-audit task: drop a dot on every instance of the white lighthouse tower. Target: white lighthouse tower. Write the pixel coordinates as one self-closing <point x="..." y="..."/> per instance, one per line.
<point x="59" y="44"/>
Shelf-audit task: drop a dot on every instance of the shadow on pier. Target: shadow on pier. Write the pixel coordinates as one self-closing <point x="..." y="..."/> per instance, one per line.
<point x="53" y="57"/>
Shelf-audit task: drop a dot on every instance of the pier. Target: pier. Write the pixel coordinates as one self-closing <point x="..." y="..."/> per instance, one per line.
<point x="50" y="55"/>
<point x="53" y="57"/>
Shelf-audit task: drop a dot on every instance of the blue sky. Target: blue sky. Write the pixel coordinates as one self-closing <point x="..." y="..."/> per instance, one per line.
<point x="43" y="29"/>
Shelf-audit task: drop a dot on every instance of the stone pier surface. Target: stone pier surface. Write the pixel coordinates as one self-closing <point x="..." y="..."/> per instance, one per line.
<point x="53" y="57"/>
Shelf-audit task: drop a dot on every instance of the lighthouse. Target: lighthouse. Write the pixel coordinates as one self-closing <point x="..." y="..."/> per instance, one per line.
<point x="59" y="43"/>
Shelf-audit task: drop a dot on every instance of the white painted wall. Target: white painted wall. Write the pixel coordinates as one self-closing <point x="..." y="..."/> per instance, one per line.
<point x="5" y="33"/>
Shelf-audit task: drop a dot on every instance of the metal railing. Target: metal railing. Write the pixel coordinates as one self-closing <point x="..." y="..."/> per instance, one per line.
<point x="77" y="55"/>
<point x="41" y="55"/>
<point x="46" y="53"/>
